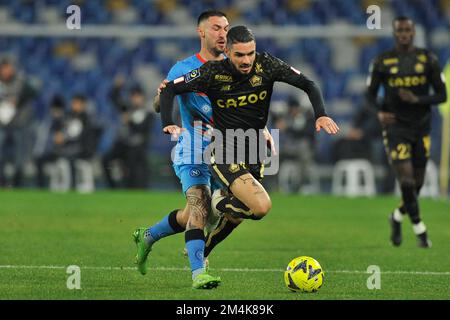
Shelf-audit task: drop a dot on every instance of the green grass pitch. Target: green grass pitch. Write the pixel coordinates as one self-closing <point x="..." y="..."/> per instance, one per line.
<point x="42" y="233"/>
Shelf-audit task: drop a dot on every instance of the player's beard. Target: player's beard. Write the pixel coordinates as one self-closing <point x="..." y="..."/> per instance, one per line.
<point x="215" y="50"/>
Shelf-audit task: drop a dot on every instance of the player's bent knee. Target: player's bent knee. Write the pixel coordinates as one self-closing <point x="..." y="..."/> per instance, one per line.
<point x="262" y="208"/>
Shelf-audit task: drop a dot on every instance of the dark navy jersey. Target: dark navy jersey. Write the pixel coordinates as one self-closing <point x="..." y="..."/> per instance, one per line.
<point x="417" y="71"/>
<point x="239" y="101"/>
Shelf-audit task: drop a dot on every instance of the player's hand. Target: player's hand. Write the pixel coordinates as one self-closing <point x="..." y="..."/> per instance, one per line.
<point x="270" y="141"/>
<point x="386" y="118"/>
<point x="408" y="96"/>
<point x="174" y="131"/>
<point x="156" y="105"/>
<point x="327" y="124"/>
<point x="162" y="86"/>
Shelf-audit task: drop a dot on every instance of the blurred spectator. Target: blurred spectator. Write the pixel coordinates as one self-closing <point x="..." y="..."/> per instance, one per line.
<point x="357" y="143"/>
<point x="16" y="118"/>
<point x="49" y="140"/>
<point x="130" y="149"/>
<point x="364" y="141"/>
<point x="297" y="140"/>
<point x="78" y="140"/>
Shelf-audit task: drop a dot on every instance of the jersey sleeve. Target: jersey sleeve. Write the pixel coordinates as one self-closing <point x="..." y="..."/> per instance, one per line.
<point x="374" y="81"/>
<point x="283" y="72"/>
<point x="175" y="72"/>
<point x="437" y="81"/>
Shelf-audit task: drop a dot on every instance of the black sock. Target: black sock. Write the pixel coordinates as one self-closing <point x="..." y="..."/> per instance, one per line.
<point x="411" y="204"/>
<point x="174" y="223"/>
<point x="223" y="230"/>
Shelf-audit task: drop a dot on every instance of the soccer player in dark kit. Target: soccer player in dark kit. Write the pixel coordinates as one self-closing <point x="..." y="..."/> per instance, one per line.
<point x="240" y="89"/>
<point x="407" y="74"/>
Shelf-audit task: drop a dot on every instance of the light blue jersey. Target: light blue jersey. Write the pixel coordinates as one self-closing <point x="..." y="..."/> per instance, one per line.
<point x="194" y="107"/>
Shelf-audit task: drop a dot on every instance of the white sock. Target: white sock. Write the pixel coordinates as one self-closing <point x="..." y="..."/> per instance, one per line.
<point x="398" y="216"/>
<point x="419" y="228"/>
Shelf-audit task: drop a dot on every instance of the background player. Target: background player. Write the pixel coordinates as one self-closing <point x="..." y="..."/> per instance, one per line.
<point x="407" y="73"/>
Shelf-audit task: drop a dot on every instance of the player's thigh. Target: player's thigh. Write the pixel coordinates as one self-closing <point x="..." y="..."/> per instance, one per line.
<point x="421" y="151"/>
<point x="400" y="153"/>
<point x="398" y="147"/>
<point x="242" y="183"/>
<point x="192" y="175"/>
<point x="250" y="191"/>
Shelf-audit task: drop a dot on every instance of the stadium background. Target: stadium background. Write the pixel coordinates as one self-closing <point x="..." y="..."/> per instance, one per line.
<point x="70" y="62"/>
<point x="42" y="233"/>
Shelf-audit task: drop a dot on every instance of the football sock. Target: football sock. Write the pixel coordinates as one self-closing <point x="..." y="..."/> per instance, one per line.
<point x="409" y="196"/>
<point x="419" y="228"/>
<point x="398" y="216"/>
<point x="166" y="227"/>
<point x="223" y="230"/>
<point x="195" y="245"/>
<point x="235" y="208"/>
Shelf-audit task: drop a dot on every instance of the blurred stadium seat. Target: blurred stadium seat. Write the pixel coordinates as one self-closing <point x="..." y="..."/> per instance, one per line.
<point x="89" y="64"/>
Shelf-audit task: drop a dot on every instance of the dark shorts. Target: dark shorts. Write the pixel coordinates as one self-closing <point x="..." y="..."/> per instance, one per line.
<point x="227" y="173"/>
<point x="403" y="144"/>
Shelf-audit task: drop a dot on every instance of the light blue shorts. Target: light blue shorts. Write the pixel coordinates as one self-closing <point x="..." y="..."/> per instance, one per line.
<point x="194" y="175"/>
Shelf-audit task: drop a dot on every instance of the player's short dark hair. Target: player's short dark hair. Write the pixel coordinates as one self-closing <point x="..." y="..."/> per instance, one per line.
<point x="402" y="18"/>
<point x="205" y="15"/>
<point x="239" y="34"/>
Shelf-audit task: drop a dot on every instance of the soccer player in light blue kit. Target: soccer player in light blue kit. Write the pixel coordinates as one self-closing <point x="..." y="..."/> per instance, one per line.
<point x="196" y="180"/>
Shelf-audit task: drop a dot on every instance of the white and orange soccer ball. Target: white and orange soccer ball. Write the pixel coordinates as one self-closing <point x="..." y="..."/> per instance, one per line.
<point x="304" y="274"/>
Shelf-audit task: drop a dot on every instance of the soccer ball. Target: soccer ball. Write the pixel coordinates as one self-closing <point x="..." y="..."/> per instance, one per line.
<point x="304" y="274"/>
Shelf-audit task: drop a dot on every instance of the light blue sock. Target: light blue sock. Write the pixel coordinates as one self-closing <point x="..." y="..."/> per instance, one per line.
<point x="195" y="249"/>
<point x="158" y="231"/>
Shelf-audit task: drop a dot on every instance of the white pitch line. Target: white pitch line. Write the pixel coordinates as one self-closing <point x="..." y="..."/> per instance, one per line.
<point x="427" y="273"/>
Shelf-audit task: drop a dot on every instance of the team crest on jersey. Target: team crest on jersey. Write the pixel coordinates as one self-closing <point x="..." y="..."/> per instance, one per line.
<point x="419" y="68"/>
<point x="422" y="58"/>
<point x="255" y="81"/>
<point x="258" y="68"/>
<point x="206" y="108"/>
<point x="194" y="172"/>
<point x="192" y="75"/>
<point x="393" y="70"/>
<point x="233" y="168"/>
